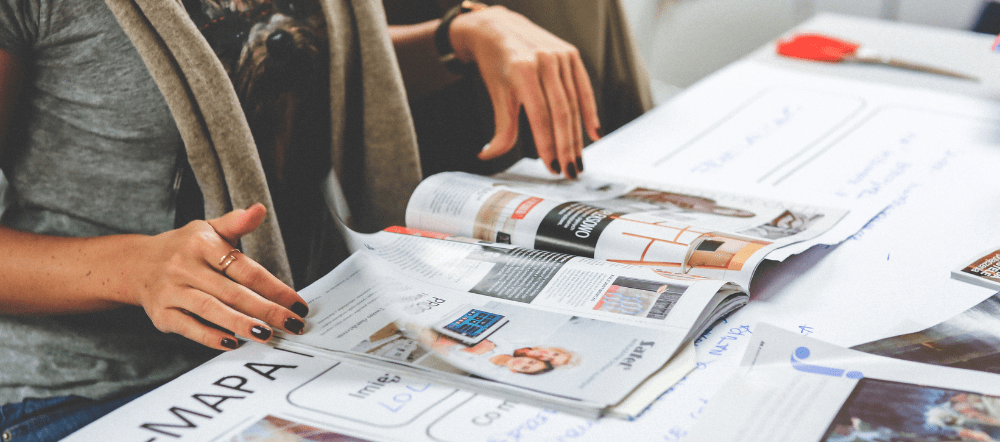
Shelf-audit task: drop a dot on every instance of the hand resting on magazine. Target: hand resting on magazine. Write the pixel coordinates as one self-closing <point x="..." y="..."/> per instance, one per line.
<point x="175" y="276"/>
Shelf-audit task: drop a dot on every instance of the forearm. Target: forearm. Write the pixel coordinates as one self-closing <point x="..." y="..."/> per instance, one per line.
<point x="423" y="73"/>
<point x="55" y="275"/>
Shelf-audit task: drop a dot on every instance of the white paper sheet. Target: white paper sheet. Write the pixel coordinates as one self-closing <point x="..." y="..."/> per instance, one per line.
<point x="943" y="207"/>
<point x="794" y="388"/>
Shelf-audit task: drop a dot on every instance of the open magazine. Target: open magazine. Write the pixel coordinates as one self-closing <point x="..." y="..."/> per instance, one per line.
<point x="556" y="354"/>
<point x="970" y="340"/>
<point x="671" y="230"/>
<point x="588" y="290"/>
<point x="984" y="270"/>
<point x="791" y="387"/>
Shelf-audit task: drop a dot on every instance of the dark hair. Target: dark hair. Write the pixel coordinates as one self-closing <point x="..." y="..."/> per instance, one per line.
<point x="548" y="367"/>
<point x="522" y="352"/>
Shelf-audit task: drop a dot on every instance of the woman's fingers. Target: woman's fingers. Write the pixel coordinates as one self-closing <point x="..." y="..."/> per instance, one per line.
<point x="505" y="112"/>
<point x="550" y="97"/>
<point x="176" y="321"/>
<point x="240" y="268"/>
<point x="252" y="276"/>
<point x="588" y="104"/>
<point x="543" y="73"/>
<point x="227" y="308"/>
<point x="198" y="275"/>
<point x="243" y="292"/>
<point x="531" y="95"/>
<point x="233" y="225"/>
<point x="560" y="113"/>
<point x="568" y="81"/>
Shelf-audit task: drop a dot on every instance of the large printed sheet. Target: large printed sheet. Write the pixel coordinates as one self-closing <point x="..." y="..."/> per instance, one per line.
<point x="930" y="156"/>
<point x="793" y="388"/>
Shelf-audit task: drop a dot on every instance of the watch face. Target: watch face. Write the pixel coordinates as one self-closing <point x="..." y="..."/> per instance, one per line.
<point x="473" y="323"/>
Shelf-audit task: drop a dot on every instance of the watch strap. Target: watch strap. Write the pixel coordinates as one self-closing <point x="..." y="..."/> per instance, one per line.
<point x="442" y="38"/>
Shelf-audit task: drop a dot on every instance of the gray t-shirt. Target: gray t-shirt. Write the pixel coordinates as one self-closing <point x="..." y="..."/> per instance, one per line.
<point x="93" y="150"/>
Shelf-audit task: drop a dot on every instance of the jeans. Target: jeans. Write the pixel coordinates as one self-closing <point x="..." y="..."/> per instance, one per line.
<point x="51" y="419"/>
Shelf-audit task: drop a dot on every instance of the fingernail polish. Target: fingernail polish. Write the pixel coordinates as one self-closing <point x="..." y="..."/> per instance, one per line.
<point x="579" y="164"/>
<point x="300" y="309"/>
<point x="487" y="146"/>
<point x="294" y="325"/>
<point x="600" y="132"/>
<point x="260" y="332"/>
<point x="555" y="166"/>
<point x="571" y="171"/>
<point x="229" y="343"/>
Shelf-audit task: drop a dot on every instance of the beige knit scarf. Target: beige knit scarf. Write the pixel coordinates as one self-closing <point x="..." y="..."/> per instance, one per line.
<point x="381" y="163"/>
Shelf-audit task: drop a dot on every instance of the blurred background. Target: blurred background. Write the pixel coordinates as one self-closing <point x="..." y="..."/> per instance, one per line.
<point x="693" y="38"/>
<point x="685" y="40"/>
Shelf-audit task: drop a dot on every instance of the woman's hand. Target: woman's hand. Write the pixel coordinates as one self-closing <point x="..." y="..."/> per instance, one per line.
<point x="183" y="278"/>
<point x="525" y="65"/>
<point x="187" y="278"/>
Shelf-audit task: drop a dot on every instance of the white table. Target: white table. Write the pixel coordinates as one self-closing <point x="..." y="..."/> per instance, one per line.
<point x="967" y="52"/>
<point x="792" y="294"/>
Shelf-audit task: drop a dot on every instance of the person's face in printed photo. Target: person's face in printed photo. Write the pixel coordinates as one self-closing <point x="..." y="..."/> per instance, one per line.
<point x="554" y="356"/>
<point x="526" y="365"/>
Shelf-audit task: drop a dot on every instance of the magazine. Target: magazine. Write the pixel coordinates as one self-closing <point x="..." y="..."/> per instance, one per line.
<point x="523" y="326"/>
<point x="575" y="304"/>
<point x="983" y="271"/>
<point x="667" y="228"/>
<point x="791" y="387"/>
<point x="970" y="340"/>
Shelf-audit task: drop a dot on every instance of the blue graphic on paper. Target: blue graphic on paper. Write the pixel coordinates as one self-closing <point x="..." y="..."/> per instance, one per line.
<point x="803" y="353"/>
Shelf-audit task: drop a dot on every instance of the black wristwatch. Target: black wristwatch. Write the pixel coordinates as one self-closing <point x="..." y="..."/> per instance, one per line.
<point x="442" y="37"/>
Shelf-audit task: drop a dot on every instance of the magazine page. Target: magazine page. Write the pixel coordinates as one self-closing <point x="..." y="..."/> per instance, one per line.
<point x="984" y="270"/>
<point x="672" y="230"/>
<point x="366" y="308"/>
<point x="791" y="387"/>
<point x="970" y="340"/>
<point x="277" y="393"/>
<point x="858" y="213"/>
<point x="560" y="283"/>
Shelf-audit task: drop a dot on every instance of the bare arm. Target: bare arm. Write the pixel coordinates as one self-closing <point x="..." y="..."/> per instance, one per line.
<point x="423" y="74"/>
<point x="173" y="275"/>
<point x="522" y="65"/>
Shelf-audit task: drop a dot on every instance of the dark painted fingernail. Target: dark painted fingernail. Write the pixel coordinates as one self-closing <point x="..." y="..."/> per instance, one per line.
<point x="600" y="132"/>
<point x="229" y="343"/>
<point x="260" y="332"/>
<point x="571" y="171"/>
<point x="300" y="309"/>
<point x="555" y="166"/>
<point x="294" y="325"/>
<point x="579" y="164"/>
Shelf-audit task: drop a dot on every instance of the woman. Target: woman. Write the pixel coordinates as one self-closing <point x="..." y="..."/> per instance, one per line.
<point x="98" y="284"/>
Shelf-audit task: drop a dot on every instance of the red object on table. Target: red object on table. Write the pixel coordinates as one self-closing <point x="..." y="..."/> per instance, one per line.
<point x="817" y="47"/>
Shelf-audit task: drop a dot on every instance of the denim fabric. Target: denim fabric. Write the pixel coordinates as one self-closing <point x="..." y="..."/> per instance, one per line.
<point x="51" y="419"/>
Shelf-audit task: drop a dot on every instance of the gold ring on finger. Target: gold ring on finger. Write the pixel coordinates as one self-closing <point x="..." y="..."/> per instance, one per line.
<point x="227" y="260"/>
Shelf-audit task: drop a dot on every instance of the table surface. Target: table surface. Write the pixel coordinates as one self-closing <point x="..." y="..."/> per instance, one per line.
<point x="671" y="418"/>
<point x="962" y="51"/>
